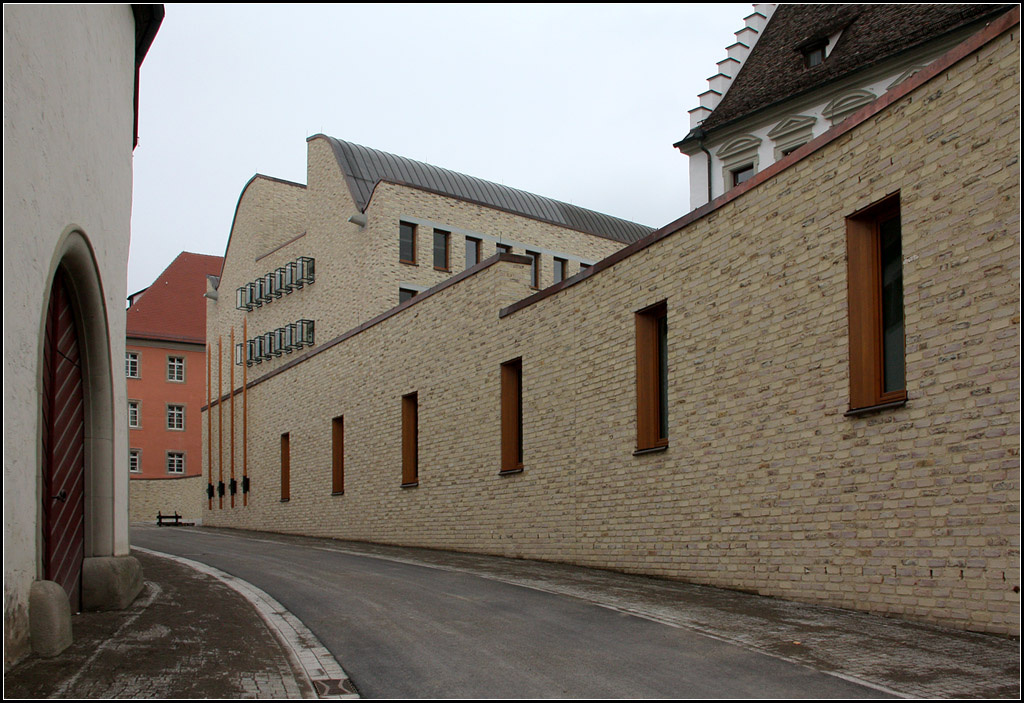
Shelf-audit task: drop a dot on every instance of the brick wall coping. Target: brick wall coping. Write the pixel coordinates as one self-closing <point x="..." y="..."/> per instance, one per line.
<point x="973" y="43"/>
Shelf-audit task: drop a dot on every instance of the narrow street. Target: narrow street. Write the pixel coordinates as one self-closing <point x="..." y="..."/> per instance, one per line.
<point x="405" y="629"/>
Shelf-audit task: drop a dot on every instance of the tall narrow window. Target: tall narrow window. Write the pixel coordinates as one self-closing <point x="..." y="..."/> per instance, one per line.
<point x="407" y="243"/>
<point x="504" y="249"/>
<point x="133" y="414"/>
<point x="441" y="244"/>
<point x="410" y="440"/>
<point x="559" y="269"/>
<point x="875" y="281"/>
<point x="512" y="415"/>
<point x="472" y="252"/>
<point x="135" y="461"/>
<point x="286" y="467"/>
<point x="338" y="455"/>
<point x="652" y="377"/>
<point x="131" y="364"/>
<point x="534" y="269"/>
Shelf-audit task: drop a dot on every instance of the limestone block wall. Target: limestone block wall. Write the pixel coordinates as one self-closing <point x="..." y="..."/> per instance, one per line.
<point x="766" y="484"/>
<point x="185" y="496"/>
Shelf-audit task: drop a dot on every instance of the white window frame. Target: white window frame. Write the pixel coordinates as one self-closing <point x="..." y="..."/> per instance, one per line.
<point x="175" y="412"/>
<point x="171" y="365"/>
<point x="134" y="407"/>
<point x="135" y="461"/>
<point x="179" y="463"/>
<point x="131" y="364"/>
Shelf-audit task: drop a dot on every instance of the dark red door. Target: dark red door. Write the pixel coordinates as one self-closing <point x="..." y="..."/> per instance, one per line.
<point x="63" y="447"/>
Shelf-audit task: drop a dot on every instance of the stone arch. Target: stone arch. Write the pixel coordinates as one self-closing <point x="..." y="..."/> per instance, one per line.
<point x="75" y="258"/>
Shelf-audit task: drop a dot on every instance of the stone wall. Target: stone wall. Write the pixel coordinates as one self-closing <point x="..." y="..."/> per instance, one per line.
<point x="185" y="496"/>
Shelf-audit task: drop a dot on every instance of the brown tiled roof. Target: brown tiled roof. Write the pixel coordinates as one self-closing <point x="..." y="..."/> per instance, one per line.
<point x="775" y="70"/>
<point x="173" y="308"/>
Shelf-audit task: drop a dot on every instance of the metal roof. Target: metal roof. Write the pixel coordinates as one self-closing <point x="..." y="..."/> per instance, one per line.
<point x="364" y="168"/>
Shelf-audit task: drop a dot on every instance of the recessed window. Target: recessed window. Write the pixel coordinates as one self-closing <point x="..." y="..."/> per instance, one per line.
<point x="442" y="242"/>
<point x="286" y="467"/>
<point x="875" y="284"/>
<point x="176" y="368"/>
<point x="814" y="53"/>
<point x="742" y="174"/>
<point x="561" y="266"/>
<point x="472" y="252"/>
<point x="652" y="377"/>
<point x="133" y="414"/>
<point x="407" y="243"/>
<point x="338" y="455"/>
<point x="534" y="269"/>
<point x="134" y="461"/>
<point x="410" y="440"/>
<point x="405" y="294"/>
<point x="504" y="249"/>
<point x="175" y="417"/>
<point x="512" y="415"/>
<point x="131" y="364"/>
<point x="175" y="462"/>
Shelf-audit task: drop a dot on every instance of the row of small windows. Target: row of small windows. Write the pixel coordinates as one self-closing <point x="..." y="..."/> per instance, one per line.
<point x="175" y="462"/>
<point x="175" y="367"/>
<point x="175" y="416"/>
<point x="474" y="253"/>
<point x="877" y="356"/>
<point x="283" y="340"/>
<point x="281" y="281"/>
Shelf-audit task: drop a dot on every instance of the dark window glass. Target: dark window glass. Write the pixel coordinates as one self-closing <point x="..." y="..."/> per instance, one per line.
<point x="892" y="305"/>
<point x="441" y="249"/>
<point x="472" y="252"/>
<point x="560" y="265"/>
<point x="407" y="242"/>
<point x="405" y="294"/>
<point x="742" y="175"/>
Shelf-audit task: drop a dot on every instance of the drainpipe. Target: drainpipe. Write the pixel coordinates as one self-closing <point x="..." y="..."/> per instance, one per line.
<point x="709" y="164"/>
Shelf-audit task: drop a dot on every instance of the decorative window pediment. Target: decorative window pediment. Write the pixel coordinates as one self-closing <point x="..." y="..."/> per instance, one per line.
<point x="904" y="76"/>
<point x="739" y="146"/>
<point x="846" y="104"/>
<point x="796" y="123"/>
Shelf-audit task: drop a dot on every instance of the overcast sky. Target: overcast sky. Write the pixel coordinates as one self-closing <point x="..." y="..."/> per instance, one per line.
<point x="581" y="103"/>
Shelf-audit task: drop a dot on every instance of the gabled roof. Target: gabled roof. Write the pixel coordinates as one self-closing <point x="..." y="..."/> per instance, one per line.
<point x="775" y="71"/>
<point x="173" y="308"/>
<point x="364" y="168"/>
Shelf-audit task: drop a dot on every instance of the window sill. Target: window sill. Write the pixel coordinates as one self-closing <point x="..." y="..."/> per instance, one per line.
<point x="875" y="408"/>
<point x="443" y="270"/>
<point x="338" y="493"/>
<point x="414" y="484"/>
<point x="407" y="263"/>
<point x="650" y="450"/>
<point x="283" y="500"/>
<point x="509" y="472"/>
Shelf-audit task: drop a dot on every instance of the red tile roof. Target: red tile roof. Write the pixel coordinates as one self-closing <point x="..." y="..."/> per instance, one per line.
<point x="173" y="308"/>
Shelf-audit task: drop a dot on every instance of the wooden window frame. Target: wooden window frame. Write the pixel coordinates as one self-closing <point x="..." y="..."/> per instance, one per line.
<point x="447" y="236"/>
<point x="503" y="248"/>
<point x="338" y="456"/>
<point x="560" y="275"/>
<point x="652" y="378"/>
<point x="412" y="235"/>
<point x="475" y="259"/>
<point x="512" y="416"/>
<point x="410" y="440"/>
<point x="286" y="467"/>
<point x="534" y="269"/>
<point x="865" y="290"/>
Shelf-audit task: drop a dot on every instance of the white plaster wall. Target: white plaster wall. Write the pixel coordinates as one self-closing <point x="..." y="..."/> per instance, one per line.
<point x="68" y="113"/>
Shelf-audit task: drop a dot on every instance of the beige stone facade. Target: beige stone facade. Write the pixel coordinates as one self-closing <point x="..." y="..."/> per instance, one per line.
<point x="167" y="496"/>
<point x="767" y="484"/>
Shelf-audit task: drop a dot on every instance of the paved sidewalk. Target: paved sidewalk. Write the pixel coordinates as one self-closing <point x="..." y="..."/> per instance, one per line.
<point x="187" y="635"/>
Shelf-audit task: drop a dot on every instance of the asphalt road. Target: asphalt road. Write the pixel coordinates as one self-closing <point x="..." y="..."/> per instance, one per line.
<point x="408" y="630"/>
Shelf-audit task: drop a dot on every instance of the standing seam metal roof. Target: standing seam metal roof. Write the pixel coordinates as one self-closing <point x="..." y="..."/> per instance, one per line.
<point x="364" y="168"/>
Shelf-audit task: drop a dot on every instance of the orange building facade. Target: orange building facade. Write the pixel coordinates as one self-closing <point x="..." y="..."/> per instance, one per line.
<point x="165" y="370"/>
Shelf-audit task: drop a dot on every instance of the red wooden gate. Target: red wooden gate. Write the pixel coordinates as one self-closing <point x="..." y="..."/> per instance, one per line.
<point x="63" y="447"/>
